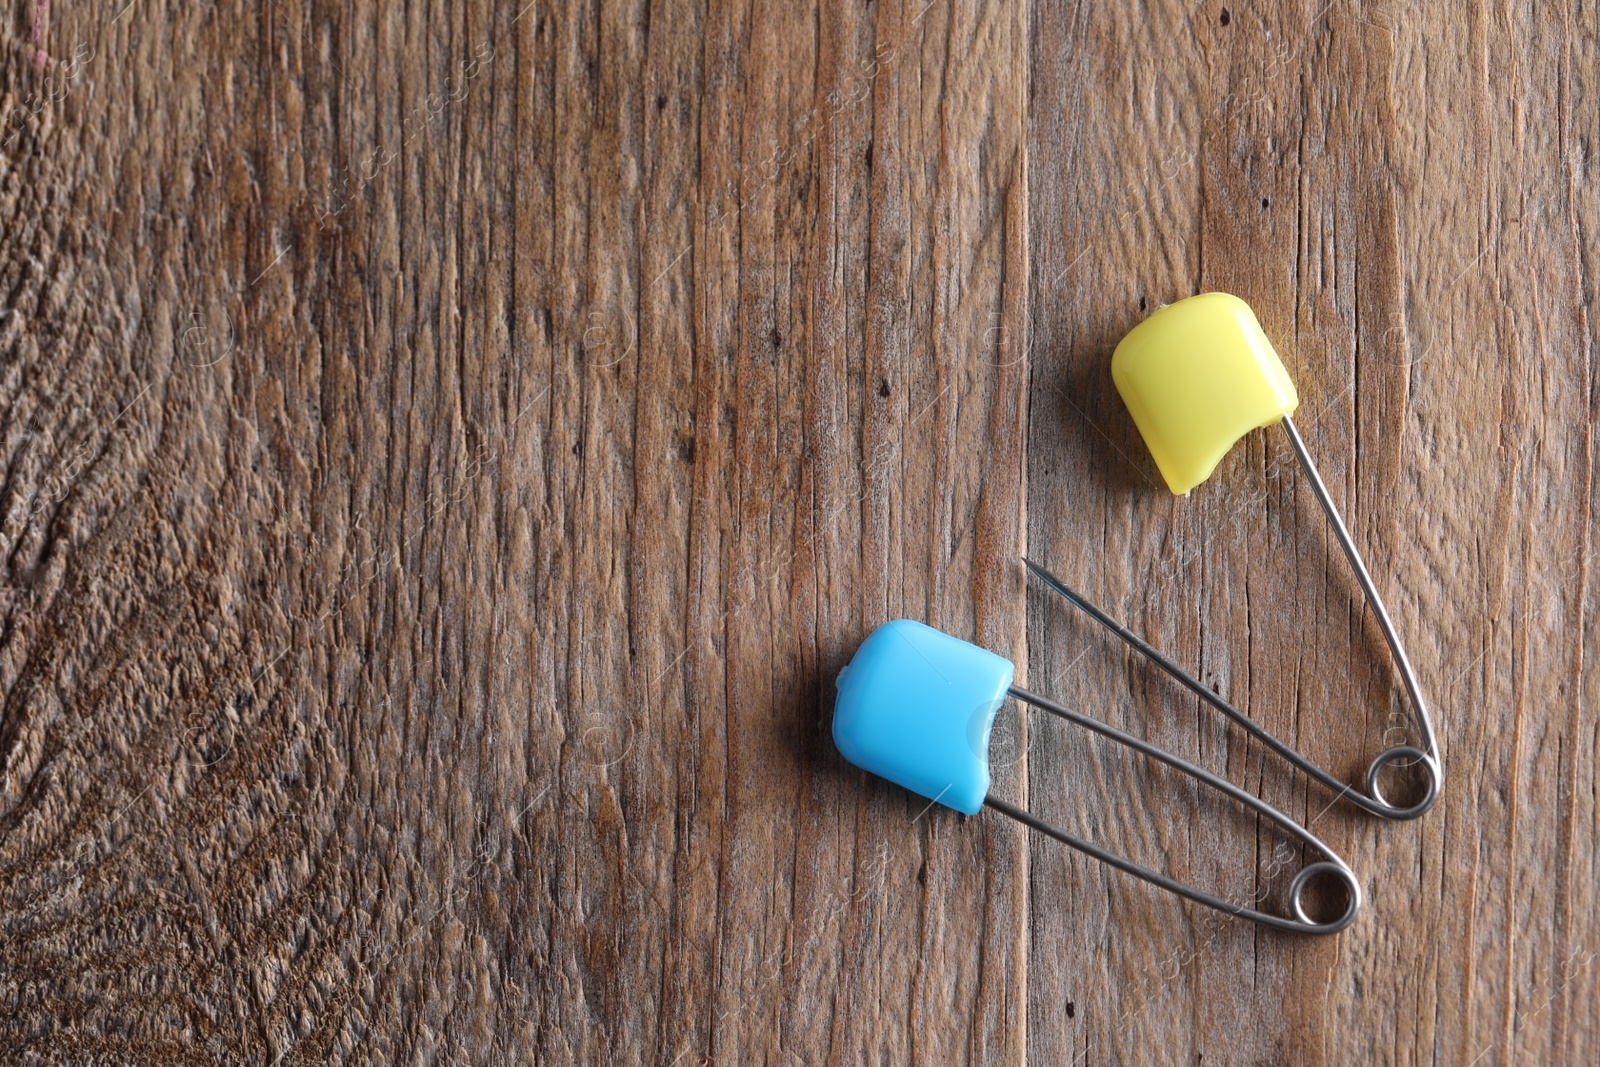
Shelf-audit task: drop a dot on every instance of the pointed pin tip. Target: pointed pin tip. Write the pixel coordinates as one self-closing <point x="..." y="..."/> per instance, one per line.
<point x="1050" y="580"/>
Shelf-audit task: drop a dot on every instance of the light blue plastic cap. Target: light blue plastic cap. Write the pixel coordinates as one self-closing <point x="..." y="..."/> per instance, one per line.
<point x="916" y="706"/>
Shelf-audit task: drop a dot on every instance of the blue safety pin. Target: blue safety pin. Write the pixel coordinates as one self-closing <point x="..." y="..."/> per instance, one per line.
<point x="916" y="706"/>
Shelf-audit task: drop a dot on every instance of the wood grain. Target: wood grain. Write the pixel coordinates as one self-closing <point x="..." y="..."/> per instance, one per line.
<point x="450" y="449"/>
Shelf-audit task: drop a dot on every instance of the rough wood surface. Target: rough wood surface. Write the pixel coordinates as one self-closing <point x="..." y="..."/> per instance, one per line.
<point x="450" y="449"/>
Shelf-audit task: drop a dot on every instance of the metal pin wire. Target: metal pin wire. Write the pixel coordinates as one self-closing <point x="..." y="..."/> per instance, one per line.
<point x="1373" y="801"/>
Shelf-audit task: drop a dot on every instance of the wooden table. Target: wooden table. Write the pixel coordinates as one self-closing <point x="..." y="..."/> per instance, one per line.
<point x="451" y="449"/>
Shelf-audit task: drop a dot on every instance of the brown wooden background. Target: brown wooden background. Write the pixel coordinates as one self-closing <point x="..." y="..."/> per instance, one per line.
<point x="450" y="449"/>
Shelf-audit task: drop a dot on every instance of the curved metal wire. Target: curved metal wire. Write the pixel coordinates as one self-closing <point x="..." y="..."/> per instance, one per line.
<point x="1373" y="800"/>
<point x="1300" y="924"/>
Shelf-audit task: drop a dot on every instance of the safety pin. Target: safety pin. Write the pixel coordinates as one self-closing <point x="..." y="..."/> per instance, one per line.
<point x="1196" y="376"/>
<point x="916" y="706"/>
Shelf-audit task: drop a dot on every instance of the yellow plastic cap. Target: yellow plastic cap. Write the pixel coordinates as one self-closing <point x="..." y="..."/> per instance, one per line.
<point x="1197" y="376"/>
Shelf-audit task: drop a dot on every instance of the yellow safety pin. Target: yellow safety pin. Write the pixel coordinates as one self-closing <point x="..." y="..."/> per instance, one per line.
<point x="1198" y="375"/>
